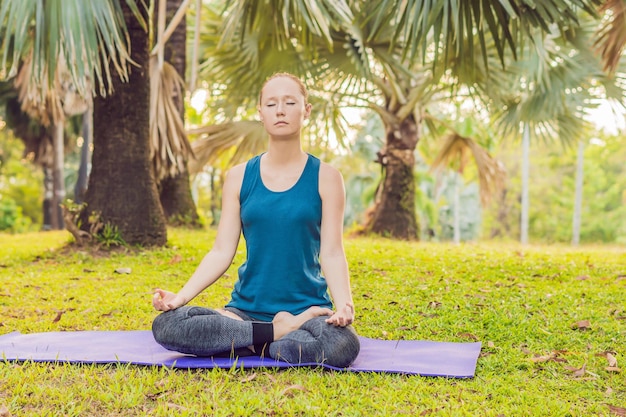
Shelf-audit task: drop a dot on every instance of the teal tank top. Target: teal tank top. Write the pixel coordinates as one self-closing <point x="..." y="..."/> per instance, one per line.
<point x="282" y="271"/>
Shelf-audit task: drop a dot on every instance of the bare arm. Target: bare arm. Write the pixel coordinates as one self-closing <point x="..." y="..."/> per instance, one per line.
<point x="332" y="254"/>
<point x="219" y="258"/>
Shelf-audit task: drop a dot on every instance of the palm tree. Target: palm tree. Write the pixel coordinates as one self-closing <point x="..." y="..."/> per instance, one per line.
<point x="396" y="58"/>
<point x="174" y="189"/>
<point x="575" y="77"/>
<point x="122" y="189"/>
<point x="93" y="37"/>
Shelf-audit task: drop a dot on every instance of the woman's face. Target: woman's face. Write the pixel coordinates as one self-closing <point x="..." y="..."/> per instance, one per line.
<point x="283" y="108"/>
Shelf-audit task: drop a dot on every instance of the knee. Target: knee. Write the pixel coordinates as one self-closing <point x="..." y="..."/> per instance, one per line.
<point x="345" y="347"/>
<point x="340" y="345"/>
<point x="164" y="326"/>
<point x="159" y="325"/>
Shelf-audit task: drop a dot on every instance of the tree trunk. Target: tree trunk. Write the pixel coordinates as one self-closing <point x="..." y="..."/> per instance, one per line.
<point x="58" y="176"/>
<point x="578" y="196"/>
<point x="122" y="189"/>
<point x="85" y="153"/>
<point x="48" y="192"/>
<point x="525" y="184"/>
<point x="175" y="192"/>
<point x="394" y="210"/>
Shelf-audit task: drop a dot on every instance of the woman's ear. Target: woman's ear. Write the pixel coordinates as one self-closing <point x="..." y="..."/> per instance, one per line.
<point x="307" y="110"/>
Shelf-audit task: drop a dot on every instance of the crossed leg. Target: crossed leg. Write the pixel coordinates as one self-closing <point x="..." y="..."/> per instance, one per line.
<point x="205" y="332"/>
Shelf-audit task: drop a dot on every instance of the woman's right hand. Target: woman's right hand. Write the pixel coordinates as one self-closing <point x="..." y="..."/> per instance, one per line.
<point x="166" y="300"/>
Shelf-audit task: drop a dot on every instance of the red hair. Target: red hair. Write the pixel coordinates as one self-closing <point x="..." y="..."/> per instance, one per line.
<point x="297" y="80"/>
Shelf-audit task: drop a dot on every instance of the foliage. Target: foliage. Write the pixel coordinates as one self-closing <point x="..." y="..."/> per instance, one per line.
<point x="20" y="184"/>
<point x="109" y="235"/>
<point x="89" y="35"/>
<point x="552" y="187"/>
<point x="547" y="318"/>
<point x="11" y="217"/>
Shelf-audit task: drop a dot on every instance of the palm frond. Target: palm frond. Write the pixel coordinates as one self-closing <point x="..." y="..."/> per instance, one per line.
<point x="50" y="103"/>
<point x="248" y="137"/>
<point x="91" y="35"/>
<point x="452" y="22"/>
<point x="611" y="37"/>
<point x="169" y="147"/>
<point x="553" y="85"/>
<point x="302" y="20"/>
<point x="458" y="151"/>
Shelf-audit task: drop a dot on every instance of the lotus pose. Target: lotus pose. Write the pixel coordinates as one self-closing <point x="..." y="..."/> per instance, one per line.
<point x="292" y="300"/>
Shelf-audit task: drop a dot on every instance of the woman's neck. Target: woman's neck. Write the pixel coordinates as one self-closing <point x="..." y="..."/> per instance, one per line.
<point x="283" y="152"/>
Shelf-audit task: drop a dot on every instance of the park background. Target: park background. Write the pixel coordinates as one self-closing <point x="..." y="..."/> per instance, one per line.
<point x="474" y="178"/>
<point x="505" y="103"/>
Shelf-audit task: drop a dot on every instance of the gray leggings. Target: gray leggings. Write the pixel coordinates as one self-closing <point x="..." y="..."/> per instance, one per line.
<point x="205" y="332"/>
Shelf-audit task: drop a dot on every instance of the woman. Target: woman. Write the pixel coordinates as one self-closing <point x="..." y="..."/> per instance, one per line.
<point x="289" y="206"/>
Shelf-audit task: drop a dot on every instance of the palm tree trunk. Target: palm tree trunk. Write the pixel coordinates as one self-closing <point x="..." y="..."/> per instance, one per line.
<point x="394" y="210"/>
<point x="457" y="207"/>
<point x="525" y="185"/>
<point x="85" y="152"/>
<point x="175" y="192"/>
<point x="48" y="192"/>
<point x="58" y="177"/>
<point x="122" y="189"/>
<point x="578" y="199"/>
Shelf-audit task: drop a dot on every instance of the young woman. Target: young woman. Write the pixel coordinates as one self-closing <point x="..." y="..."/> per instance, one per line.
<point x="289" y="206"/>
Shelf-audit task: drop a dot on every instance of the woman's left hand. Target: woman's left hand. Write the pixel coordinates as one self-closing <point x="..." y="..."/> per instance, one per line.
<point x="343" y="316"/>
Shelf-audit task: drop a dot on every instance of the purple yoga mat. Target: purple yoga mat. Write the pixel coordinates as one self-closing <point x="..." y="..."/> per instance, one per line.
<point x="413" y="357"/>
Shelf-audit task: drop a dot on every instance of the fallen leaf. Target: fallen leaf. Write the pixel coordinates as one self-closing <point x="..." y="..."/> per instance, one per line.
<point x="123" y="271"/>
<point x="270" y="377"/>
<point x="58" y="316"/>
<point x="468" y="336"/>
<point x="434" y="304"/>
<point x="292" y="389"/>
<point x="582" y="277"/>
<point x="582" y="325"/>
<point x="608" y="391"/>
<point x="618" y="411"/>
<point x="249" y="378"/>
<point x="611" y="359"/>
<point x="577" y="372"/>
<point x="176" y="406"/>
<point x="4" y="411"/>
<point x="490" y="344"/>
<point x="176" y="259"/>
<point x="554" y="356"/>
<point x="613" y="369"/>
<point x="543" y="358"/>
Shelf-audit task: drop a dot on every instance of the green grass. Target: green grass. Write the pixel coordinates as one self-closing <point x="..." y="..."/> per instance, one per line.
<point x="522" y="303"/>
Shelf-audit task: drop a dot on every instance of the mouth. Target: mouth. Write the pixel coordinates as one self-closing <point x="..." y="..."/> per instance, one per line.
<point x="280" y="124"/>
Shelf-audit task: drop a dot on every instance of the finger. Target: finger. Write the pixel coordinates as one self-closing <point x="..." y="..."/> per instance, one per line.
<point x="156" y="300"/>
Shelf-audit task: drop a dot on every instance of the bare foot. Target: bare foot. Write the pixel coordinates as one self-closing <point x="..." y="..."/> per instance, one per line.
<point x="285" y="322"/>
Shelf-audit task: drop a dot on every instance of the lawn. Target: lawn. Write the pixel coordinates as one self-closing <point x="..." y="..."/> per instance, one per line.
<point x="552" y="321"/>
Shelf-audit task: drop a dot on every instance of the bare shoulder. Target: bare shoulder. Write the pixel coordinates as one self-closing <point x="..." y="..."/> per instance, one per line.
<point x="234" y="178"/>
<point x="329" y="173"/>
<point x="330" y="181"/>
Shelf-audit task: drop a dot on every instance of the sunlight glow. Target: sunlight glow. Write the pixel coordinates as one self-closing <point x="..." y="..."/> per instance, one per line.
<point x="608" y="117"/>
<point x="198" y="99"/>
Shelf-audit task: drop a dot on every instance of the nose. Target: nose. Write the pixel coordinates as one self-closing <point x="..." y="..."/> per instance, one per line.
<point x="280" y="109"/>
